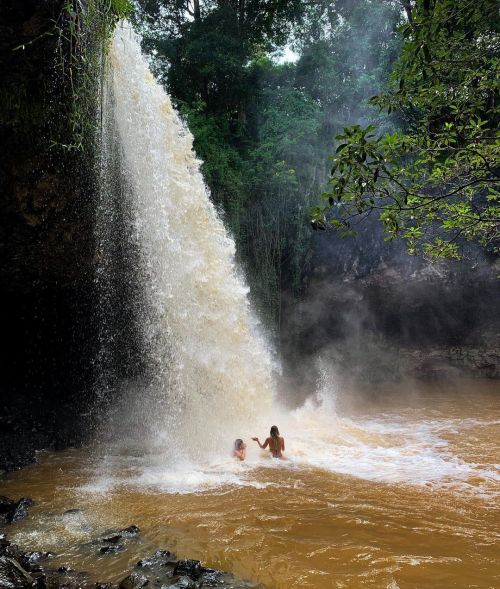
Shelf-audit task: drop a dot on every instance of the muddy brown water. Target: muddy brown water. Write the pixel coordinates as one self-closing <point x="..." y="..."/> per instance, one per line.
<point x="298" y="525"/>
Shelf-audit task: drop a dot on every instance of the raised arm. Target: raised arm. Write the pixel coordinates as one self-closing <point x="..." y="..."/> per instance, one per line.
<point x="266" y="443"/>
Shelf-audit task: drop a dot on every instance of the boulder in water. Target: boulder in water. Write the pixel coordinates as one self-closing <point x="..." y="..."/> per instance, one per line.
<point x="12" y="575"/>
<point x="189" y="567"/>
<point x="158" y="559"/>
<point x="134" y="581"/>
<point x="183" y="582"/>
<point x="21" y="509"/>
<point x="31" y="560"/>
<point x="114" y="536"/>
<point x="112" y="548"/>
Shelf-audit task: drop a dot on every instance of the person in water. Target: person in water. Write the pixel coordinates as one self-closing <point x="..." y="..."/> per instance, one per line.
<point x="275" y="442"/>
<point x="240" y="449"/>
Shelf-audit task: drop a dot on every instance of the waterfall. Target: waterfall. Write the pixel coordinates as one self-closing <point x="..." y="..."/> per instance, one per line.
<point x="209" y="371"/>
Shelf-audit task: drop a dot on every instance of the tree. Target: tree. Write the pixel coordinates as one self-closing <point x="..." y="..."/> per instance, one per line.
<point x="435" y="182"/>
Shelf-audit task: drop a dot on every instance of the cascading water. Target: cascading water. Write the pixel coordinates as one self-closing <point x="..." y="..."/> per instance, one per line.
<point x="210" y="372"/>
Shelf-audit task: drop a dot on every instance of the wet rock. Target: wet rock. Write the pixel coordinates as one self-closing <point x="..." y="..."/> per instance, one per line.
<point x="114" y="536"/>
<point x="159" y="558"/>
<point x="213" y="578"/>
<point x="105" y="586"/>
<point x="112" y="548"/>
<point x="12" y="574"/>
<point x="12" y="551"/>
<point x="183" y="582"/>
<point x="70" y="579"/>
<point x="134" y="581"/>
<point x="20" y="510"/>
<point x="188" y="567"/>
<point x="31" y="560"/>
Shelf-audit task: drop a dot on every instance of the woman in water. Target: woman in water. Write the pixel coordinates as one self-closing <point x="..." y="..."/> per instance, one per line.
<point x="275" y="442"/>
<point x="240" y="449"/>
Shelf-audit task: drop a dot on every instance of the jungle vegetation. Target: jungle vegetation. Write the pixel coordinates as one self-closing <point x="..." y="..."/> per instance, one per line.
<point x="435" y="180"/>
<point x="263" y="125"/>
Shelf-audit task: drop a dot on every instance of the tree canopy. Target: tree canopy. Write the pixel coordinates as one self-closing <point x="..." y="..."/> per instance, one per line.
<point x="435" y="181"/>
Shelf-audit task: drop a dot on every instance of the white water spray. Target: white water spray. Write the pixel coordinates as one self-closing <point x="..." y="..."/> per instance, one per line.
<point x="213" y="371"/>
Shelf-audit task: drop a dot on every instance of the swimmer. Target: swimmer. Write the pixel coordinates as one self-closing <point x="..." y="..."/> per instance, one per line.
<point x="275" y="442"/>
<point x="240" y="449"/>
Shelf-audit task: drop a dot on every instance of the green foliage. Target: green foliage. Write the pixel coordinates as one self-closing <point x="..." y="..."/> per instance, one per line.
<point x="84" y="31"/>
<point x="262" y="128"/>
<point x="437" y="182"/>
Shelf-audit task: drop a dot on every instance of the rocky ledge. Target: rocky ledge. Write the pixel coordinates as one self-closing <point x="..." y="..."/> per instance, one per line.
<point x="20" y="569"/>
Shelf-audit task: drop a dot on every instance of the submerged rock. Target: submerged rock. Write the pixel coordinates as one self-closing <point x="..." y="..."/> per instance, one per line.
<point x="183" y="582"/>
<point x="113" y="541"/>
<point x="31" y="560"/>
<point x="160" y="558"/>
<point x="12" y="574"/>
<point x="21" y="509"/>
<point x="114" y="536"/>
<point x="134" y="581"/>
<point x="112" y="548"/>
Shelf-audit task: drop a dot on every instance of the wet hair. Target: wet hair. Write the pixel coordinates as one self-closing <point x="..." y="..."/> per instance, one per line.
<point x="238" y="443"/>
<point x="275" y="438"/>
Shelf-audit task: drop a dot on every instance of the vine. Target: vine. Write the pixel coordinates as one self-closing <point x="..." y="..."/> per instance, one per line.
<point x="84" y="29"/>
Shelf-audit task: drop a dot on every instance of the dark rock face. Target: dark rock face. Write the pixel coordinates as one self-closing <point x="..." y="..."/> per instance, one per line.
<point x="45" y="244"/>
<point x="377" y="313"/>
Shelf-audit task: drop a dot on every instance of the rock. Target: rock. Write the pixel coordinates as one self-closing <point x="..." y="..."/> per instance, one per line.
<point x="12" y="551"/>
<point x="12" y="575"/>
<point x="213" y="578"/>
<point x="21" y="509"/>
<point x="134" y="581"/>
<point x="183" y="582"/>
<point x="31" y="560"/>
<point x="189" y="567"/>
<point x="159" y="558"/>
<point x="69" y="580"/>
<point x="72" y="511"/>
<point x="113" y="536"/>
<point x="111" y="548"/>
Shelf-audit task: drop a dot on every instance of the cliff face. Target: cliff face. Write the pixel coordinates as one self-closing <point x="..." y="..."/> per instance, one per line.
<point x="45" y="240"/>
<point x="380" y="314"/>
